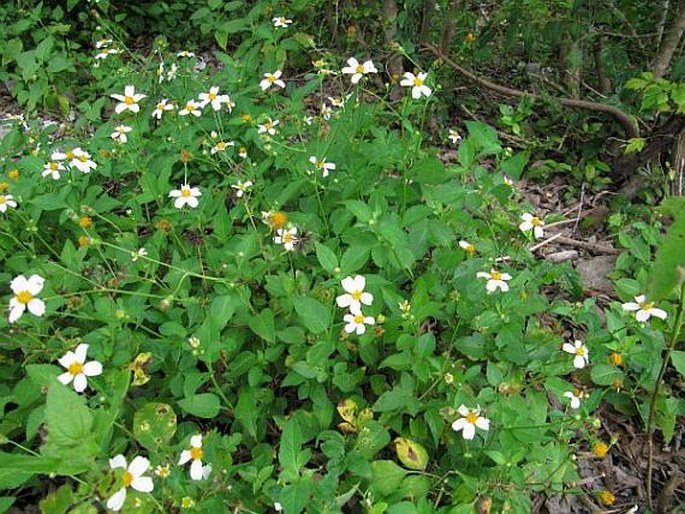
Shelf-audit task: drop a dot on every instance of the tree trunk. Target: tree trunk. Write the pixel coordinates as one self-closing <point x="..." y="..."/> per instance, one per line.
<point x="670" y="43"/>
<point x="428" y="8"/>
<point x="449" y="27"/>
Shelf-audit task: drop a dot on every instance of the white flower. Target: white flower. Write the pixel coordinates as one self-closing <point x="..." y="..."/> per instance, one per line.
<point x="128" y="101"/>
<point x="575" y="400"/>
<point x="7" y="201"/>
<point x="470" y="419"/>
<point x="24" y="296"/>
<point x="103" y="43"/>
<point x="195" y="453"/>
<point x="533" y="223"/>
<point x="171" y="74"/>
<point x="322" y="165"/>
<point x="78" y="369"/>
<point x="242" y="152"/>
<point x="221" y="146"/>
<point x="213" y="98"/>
<point x="194" y="341"/>
<point x="326" y="112"/>
<point x="53" y="169"/>
<point x="281" y="22"/>
<point x="133" y="477"/>
<point x="467" y="247"/>
<point x="454" y="137"/>
<point x="356" y="322"/>
<point x="507" y="181"/>
<point x="582" y="357"/>
<point x="162" y="106"/>
<point x="77" y="158"/>
<point x="120" y="132"/>
<point x="417" y="84"/>
<point x="337" y="101"/>
<point x="495" y="280"/>
<point x="354" y="295"/>
<point x="185" y="53"/>
<point x="185" y="196"/>
<point x="160" y="72"/>
<point x="286" y="237"/>
<point x="271" y="79"/>
<point x="191" y="107"/>
<point x="141" y="252"/>
<point x="241" y="187"/>
<point x="278" y="507"/>
<point x="358" y="70"/>
<point x="162" y="471"/>
<point x="106" y="52"/>
<point x="269" y="126"/>
<point x="645" y="310"/>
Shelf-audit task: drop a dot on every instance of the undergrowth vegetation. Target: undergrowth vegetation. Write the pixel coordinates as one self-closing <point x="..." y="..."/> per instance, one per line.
<point x="265" y="283"/>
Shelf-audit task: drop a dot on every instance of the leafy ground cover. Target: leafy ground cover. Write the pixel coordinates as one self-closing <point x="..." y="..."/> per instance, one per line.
<point x="269" y="281"/>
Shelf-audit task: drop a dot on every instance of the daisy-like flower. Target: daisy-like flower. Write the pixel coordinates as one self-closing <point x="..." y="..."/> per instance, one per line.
<point x="356" y="321"/>
<point x="78" y="370"/>
<point x="106" y="52"/>
<point x="25" y="291"/>
<point x="468" y="247"/>
<point x="643" y="309"/>
<point x="160" y="73"/>
<point x="469" y="421"/>
<point x="213" y="98"/>
<point x="120" y="132"/>
<point x="191" y="107"/>
<point x="242" y="152"/>
<point x="582" y="356"/>
<point x="7" y="201"/>
<point x="322" y="165"/>
<point x="103" y="43"/>
<point x="326" y="112"/>
<point x="354" y="295"/>
<point x="575" y="400"/>
<point x="417" y="84"/>
<point x="221" y="146"/>
<point x="321" y="67"/>
<point x="171" y="74"/>
<point x="53" y="169"/>
<point x="132" y="477"/>
<point x="269" y="127"/>
<point x="507" y="181"/>
<point x="195" y="453"/>
<point x="337" y="102"/>
<point x="242" y="187"/>
<point x="271" y="79"/>
<point x="81" y="160"/>
<point x="137" y="254"/>
<point x="358" y="70"/>
<point x="128" y="101"/>
<point x="185" y="53"/>
<point x="185" y="196"/>
<point x="281" y="22"/>
<point x="274" y="219"/>
<point x="162" y="106"/>
<point x="533" y="223"/>
<point x="454" y="136"/>
<point x="286" y="237"/>
<point x="163" y="470"/>
<point x="495" y="280"/>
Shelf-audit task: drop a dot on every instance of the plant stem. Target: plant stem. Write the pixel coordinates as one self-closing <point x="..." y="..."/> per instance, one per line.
<point x="652" y="402"/>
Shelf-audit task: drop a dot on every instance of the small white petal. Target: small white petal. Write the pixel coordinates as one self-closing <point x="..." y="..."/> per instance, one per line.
<point x="116" y="501"/>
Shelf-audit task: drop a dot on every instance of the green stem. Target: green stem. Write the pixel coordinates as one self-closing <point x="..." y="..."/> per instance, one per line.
<point x="675" y="333"/>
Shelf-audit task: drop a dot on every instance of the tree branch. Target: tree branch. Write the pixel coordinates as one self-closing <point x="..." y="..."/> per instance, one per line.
<point x="670" y="42"/>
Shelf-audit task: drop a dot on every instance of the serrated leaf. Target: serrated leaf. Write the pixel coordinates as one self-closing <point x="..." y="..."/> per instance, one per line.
<point x="314" y="315"/>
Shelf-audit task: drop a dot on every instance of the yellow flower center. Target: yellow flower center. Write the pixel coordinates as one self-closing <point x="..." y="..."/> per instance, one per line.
<point x="83" y="158"/>
<point x="4" y="186"/>
<point x="359" y="318"/>
<point x="128" y="478"/>
<point x="535" y="221"/>
<point x="268" y="125"/>
<point x="288" y="237"/>
<point x="418" y="82"/>
<point x="359" y="68"/>
<point x="471" y="417"/>
<point x="196" y="453"/>
<point x="70" y="155"/>
<point x="23" y="296"/>
<point x="190" y="106"/>
<point x="647" y="306"/>
<point x="128" y="100"/>
<point x="3" y="199"/>
<point x="357" y="295"/>
<point x="185" y="193"/>
<point x="221" y="145"/>
<point x="54" y="166"/>
<point x="600" y="449"/>
<point x="211" y="96"/>
<point x="246" y="118"/>
<point x="75" y="368"/>
<point x="580" y="351"/>
<point x="160" y="106"/>
<point x="470" y="248"/>
<point x="495" y="275"/>
<point x="270" y="79"/>
<point x="616" y="359"/>
<point x="279" y="219"/>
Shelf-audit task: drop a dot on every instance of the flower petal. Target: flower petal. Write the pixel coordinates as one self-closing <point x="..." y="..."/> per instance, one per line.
<point x="80" y="353"/>
<point x="92" y="369"/>
<point x="80" y="383"/>
<point x="65" y="378"/>
<point x="196" y="470"/>
<point x="185" y="457"/>
<point x="116" y="501"/>
<point x="469" y="431"/>
<point x="118" y="461"/>
<point x="35" y="284"/>
<point x="143" y="484"/>
<point x="138" y="466"/>
<point x="196" y="441"/>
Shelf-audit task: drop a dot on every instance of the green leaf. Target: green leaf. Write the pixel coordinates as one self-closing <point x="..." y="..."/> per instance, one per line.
<point x="263" y="325"/>
<point x="412" y="454"/>
<point x="605" y="374"/>
<point x="57" y="502"/>
<point x="154" y="425"/>
<point x="678" y="360"/>
<point x="246" y="411"/>
<point x="326" y="257"/>
<point x="360" y="209"/>
<point x="430" y="170"/>
<point x="314" y="315"/>
<point x="668" y="270"/>
<point x="466" y="153"/>
<point x="354" y="258"/>
<point x="221" y="311"/>
<point x="202" y="405"/>
<point x="289" y="448"/>
<point x="6" y="502"/>
<point x="635" y="144"/>
<point x="69" y="422"/>
<point x="514" y="166"/>
<point x="387" y="477"/>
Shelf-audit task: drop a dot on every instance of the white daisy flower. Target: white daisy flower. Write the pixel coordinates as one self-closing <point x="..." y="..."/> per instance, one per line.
<point x="195" y="453"/>
<point x="53" y="169"/>
<point x="185" y="53"/>
<point x="221" y="146"/>
<point x="533" y="223"/>
<point x="322" y="165"/>
<point x="496" y="280"/>
<point x="128" y="101"/>
<point x="120" y="132"/>
<point x="417" y="84"/>
<point x="185" y="196"/>
<point x="354" y="295"/>
<point x="469" y="421"/>
<point x="454" y="136"/>
<point x="582" y="356"/>
<point x="575" y="400"/>
<point x="467" y="247"/>
<point x="7" y="201"/>
<point x="281" y="22"/>
<point x="106" y="52"/>
<point x="269" y="127"/>
<point x="644" y="309"/>
<point x="137" y="254"/>
<point x="271" y="79"/>
<point x="25" y="291"/>
<point x="133" y="477"/>
<point x="213" y="98"/>
<point x="78" y="370"/>
<point x="191" y="107"/>
<point x="242" y="187"/>
<point x="162" y="106"/>
<point x="286" y="237"/>
<point x="356" y="322"/>
<point x="358" y="70"/>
